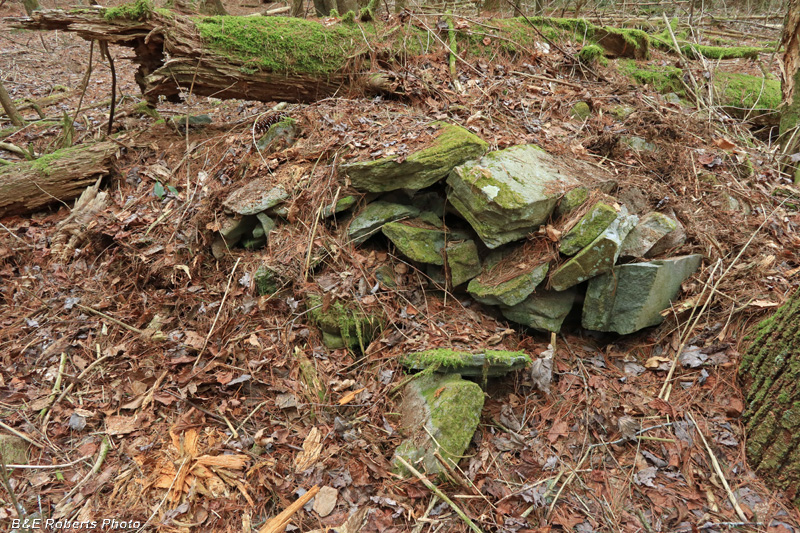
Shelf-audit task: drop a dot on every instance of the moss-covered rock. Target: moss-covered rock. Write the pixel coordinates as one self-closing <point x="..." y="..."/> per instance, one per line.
<point x="452" y="146"/>
<point x="13" y="450"/>
<point x="509" y="193"/>
<point x="580" y="111"/>
<point x="511" y="284"/>
<point x="597" y="257"/>
<point x="372" y="218"/>
<point x="440" y="414"/>
<point x="462" y="261"/>
<point x="341" y="205"/>
<point x="486" y="363"/>
<point x="588" y="228"/>
<point x="266" y="281"/>
<point x="417" y="241"/>
<point x="281" y="134"/>
<point x="347" y="324"/>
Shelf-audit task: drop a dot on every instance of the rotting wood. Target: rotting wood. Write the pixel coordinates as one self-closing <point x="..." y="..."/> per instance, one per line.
<point x="58" y="177"/>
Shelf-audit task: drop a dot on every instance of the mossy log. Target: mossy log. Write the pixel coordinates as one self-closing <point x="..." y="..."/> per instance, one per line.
<point x="293" y="59"/>
<point x="254" y="58"/>
<point x="770" y="373"/>
<point x="60" y="176"/>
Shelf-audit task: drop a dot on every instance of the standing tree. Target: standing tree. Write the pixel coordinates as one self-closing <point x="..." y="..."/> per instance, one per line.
<point x="770" y="372"/>
<point x="790" y="113"/>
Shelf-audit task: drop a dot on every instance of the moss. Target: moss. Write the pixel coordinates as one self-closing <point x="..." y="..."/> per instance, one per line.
<point x="720" y="52"/>
<point x="663" y="79"/>
<point x="42" y="163"/>
<point x="352" y="324"/>
<point x="266" y="281"/>
<point x="580" y="111"/>
<point x="592" y="53"/>
<point x="138" y="10"/>
<point x="743" y="90"/>
<point x="278" y="44"/>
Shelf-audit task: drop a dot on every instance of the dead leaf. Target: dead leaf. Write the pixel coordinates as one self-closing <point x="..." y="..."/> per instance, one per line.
<point x="559" y="429"/>
<point x="312" y="447"/>
<point x="724" y="144"/>
<point x="121" y="425"/>
<point x="350" y="396"/>
<point x="325" y="501"/>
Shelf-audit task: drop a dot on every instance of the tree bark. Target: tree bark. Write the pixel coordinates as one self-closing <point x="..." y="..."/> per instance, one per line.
<point x="770" y="373"/>
<point x="61" y="176"/>
<point x="9" y="108"/>
<point x="790" y="111"/>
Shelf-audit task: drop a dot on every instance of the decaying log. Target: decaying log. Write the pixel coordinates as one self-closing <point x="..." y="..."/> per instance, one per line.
<point x="173" y="56"/>
<point x="60" y="176"/>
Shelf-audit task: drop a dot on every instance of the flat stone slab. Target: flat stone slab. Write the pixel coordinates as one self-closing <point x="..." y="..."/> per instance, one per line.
<point x="421" y="169"/>
<point x="588" y="228"/>
<point x="651" y="228"/>
<point x="509" y="193"/>
<point x="508" y="278"/>
<point x="255" y="197"/>
<point x="671" y="240"/>
<point x="372" y="218"/>
<point x="417" y="242"/>
<point x="440" y="413"/>
<point x="596" y="258"/>
<point x="542" y="310"/>
<point x="631" y="297"/>
<point x="487" y="363"/>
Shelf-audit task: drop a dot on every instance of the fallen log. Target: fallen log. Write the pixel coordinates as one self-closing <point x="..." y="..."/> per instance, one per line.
<point x="60" y="176"/>
<point x="292" y="59"/>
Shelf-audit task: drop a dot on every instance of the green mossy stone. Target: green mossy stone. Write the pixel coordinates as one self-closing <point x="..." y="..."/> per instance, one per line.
<point x="588" y="228"/>
<point x="463" y="261"/>
<point x="571" y="200"/>
<point x="510" y="292"/>
<point x="580" y="111"/>
<point x="453" y="146"/>
<point x="372" y="218"/>
<point x="486" y="363"/>
<point x="596" y="258"/>
<point x="439" y="413"/>
<point x="342" y="204"/>
<point x="417" y="243"/>
<point x="651" y="228"/>
<point x="266" y="281"/>
<point x="347" y="321"/>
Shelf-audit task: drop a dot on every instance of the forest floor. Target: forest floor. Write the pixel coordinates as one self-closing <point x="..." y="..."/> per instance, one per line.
<point x="213" y="428"/>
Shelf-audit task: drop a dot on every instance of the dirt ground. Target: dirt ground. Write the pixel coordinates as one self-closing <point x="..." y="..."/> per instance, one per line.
<point x="215" y="428"/>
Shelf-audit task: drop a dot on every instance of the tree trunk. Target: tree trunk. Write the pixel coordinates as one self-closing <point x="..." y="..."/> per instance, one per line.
<point x="60" y="176"/>
<point x="770" y="372"/>
<point x="10" y="109"/>
<point x="790" y="112"/>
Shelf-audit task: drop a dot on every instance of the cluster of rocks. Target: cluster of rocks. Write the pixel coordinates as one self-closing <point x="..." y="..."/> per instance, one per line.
<point x="505" y="197"/>
<point x="528" y="232"/>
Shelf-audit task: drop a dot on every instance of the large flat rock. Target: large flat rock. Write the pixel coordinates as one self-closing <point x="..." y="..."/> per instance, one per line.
<point x="372" y="218"/>
<point x="510" y="276"/>
<point x="453" y="146"/>
<point x="631" y="297"/>
<point x="507" y="194"/>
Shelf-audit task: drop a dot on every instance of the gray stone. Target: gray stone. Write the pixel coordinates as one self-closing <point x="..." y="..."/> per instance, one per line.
<point x="596" y="258"/>
<point x="423" y="168"/>
<point x="572" y="200"/>
<point x="651" y="228"/>
<point x="520" y="277"/>
<point x="588" y="228"/>
<point x="281" y="133"/>
<point x="671" y="240"/>
<point x="637" y="143"/>
<point x="631" y="297"/>
<point x="488" y="363"/>
<point x="440" y="413"/>
<point x="374" y="216"/>
<point x="508" y="194"/>
<point x="233" y="229"/>
<point x="543" y="310"/>
<point x="255" y="197"/>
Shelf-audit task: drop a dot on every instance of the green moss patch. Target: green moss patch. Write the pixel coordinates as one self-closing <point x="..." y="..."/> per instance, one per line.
<point x="138" y="10"/>
<point x="279" y="44"/>
<point x="743" y="90"/>
<point x="663" y="79"/>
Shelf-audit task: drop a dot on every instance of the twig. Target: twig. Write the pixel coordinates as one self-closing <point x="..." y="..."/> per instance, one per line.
<point x="104" y="49"/>
<point x="101" y="457"/>
<point x="84" y="82"/>
<point x="112" y="319"/>
<point x="219" y="311"/>
<point x="49" y="467"/>
<point x="20" y="435"/>
<point x="433" y="488"/>
<point x="278" y="523"/>
<point x="545" y="78"/>
<point x="718" y="469"/>
<point x="56" y="387"/>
